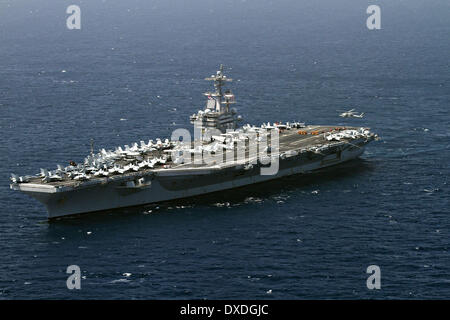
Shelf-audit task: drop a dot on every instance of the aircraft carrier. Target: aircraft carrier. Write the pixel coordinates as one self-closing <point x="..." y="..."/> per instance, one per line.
<point x="222" y="155"/>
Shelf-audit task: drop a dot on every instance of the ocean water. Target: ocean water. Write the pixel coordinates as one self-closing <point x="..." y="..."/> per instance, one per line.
<point x="135" y="71"/>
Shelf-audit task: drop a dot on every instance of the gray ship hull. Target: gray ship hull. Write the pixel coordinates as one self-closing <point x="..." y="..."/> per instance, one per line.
<point x="171" y="185"/>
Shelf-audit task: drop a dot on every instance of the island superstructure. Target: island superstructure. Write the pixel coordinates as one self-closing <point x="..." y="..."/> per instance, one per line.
<point x="217" y="113"/>
<point x="221" y="156"/>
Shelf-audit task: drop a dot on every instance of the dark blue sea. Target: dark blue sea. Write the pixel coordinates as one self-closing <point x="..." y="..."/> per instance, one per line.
<point x="135" y="72"/>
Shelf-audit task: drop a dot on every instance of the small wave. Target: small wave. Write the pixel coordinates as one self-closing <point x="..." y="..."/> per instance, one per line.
<point x="221" y="204"/>
<point x="253" y="200"/>
<point x="120" y="281"/>
<point x="403" y="154"/>
<point x="431" y="190"/>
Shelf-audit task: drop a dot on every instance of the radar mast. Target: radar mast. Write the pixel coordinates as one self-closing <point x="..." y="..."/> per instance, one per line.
<point x="217" y="113"/>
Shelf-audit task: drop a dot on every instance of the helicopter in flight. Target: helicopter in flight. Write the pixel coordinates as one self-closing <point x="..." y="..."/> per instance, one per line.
<point x="351" y="114"/>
